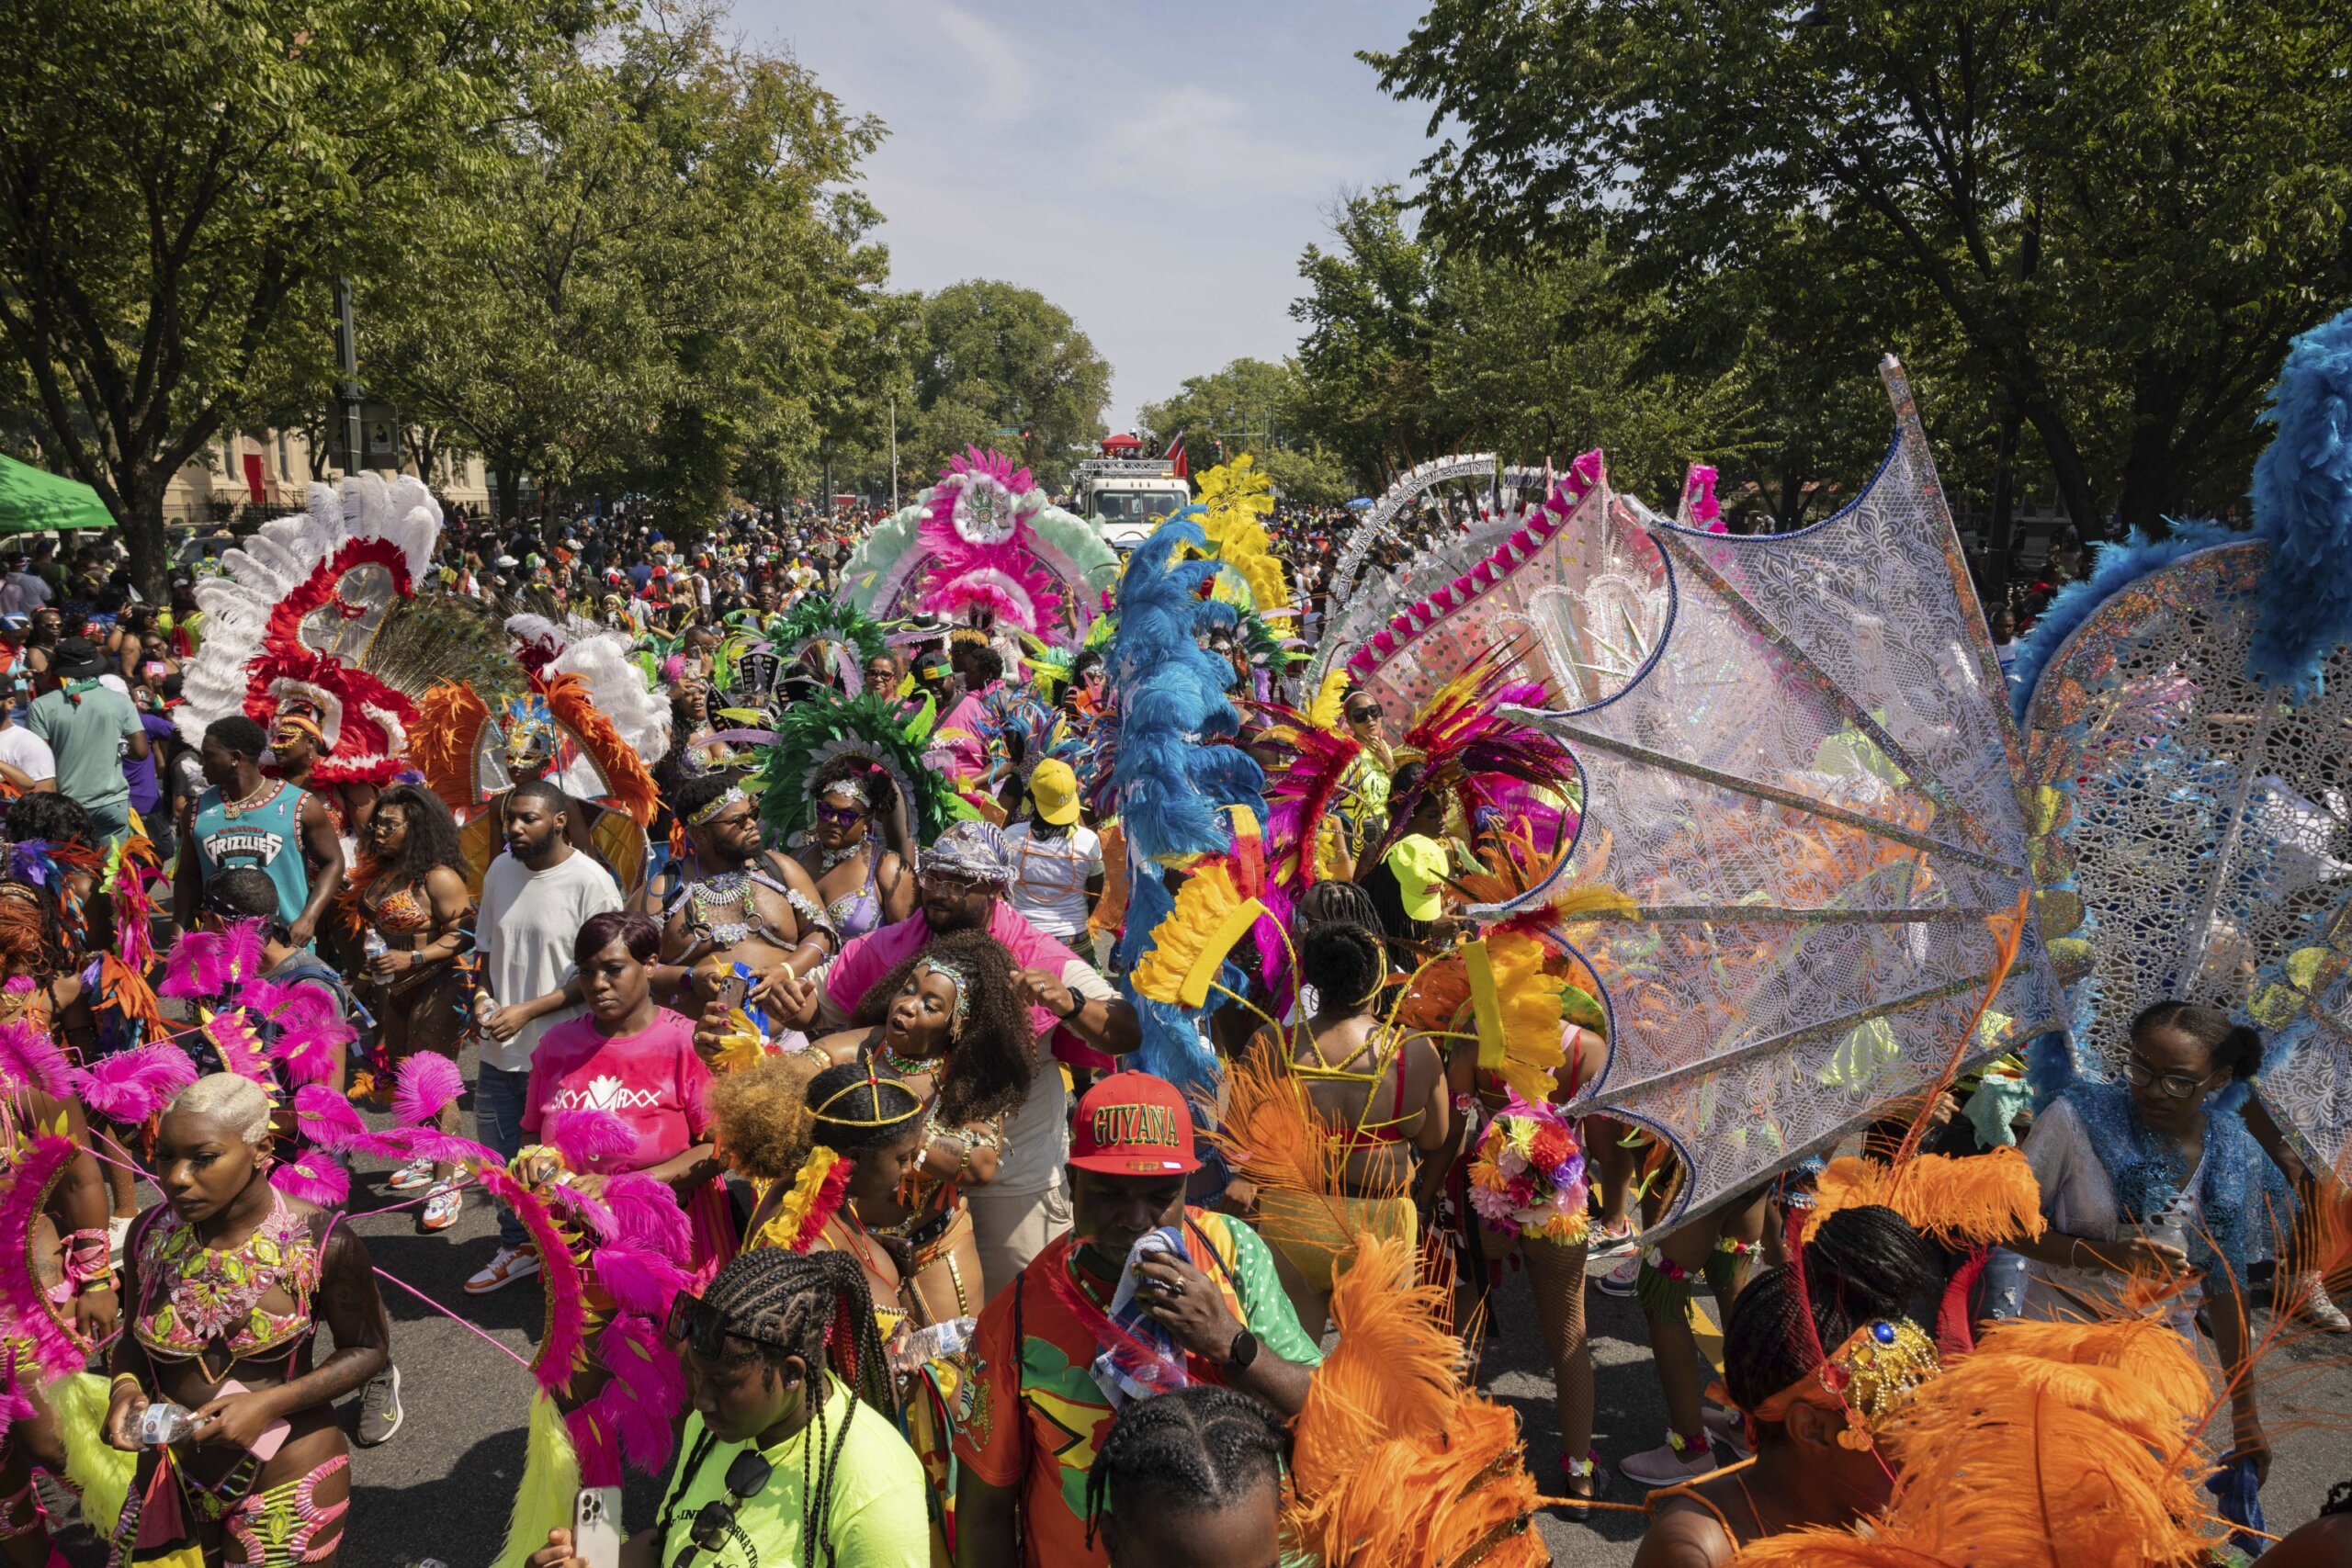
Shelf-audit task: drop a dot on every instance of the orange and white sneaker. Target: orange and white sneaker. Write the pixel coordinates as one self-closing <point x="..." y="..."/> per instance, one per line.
<point x="509" y="1264"/>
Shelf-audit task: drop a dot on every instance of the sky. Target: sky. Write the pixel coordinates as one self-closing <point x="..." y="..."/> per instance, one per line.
<point x="1154" y="168"/>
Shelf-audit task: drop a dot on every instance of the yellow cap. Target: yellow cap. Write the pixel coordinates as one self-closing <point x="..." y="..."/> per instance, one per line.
<point x="1419" y="862"/>
<point x="1054" y="789"/>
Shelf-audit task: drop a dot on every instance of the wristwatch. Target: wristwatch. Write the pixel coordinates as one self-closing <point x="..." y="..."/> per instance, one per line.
<point x="1077" y="1006"/>
<point x="1243" y="1351"/>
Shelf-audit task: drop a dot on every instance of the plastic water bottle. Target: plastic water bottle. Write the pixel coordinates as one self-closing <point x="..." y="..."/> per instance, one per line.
<point x="163" y="1424"/>
<point x="373" y="944"/>
<point x="928" y="1344"/>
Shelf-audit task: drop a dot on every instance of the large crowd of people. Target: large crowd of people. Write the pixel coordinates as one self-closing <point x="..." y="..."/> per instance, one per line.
<point x="830" y="1087"/>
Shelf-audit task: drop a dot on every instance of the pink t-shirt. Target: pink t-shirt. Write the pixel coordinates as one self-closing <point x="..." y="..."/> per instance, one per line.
<point x="867" y="958"/>
<point x="652" y="1080"/>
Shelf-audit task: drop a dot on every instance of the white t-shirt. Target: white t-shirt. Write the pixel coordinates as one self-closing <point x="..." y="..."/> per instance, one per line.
<point x="22" y="749"/>
<point x="526" y="928"/>
<point x="1050" y="876"/>
<point x="22" y="594"/>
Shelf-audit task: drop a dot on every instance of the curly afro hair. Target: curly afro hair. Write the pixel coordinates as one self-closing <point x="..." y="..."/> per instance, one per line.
<point x="761" y="1116"/>
<point x="989" y="1070"/>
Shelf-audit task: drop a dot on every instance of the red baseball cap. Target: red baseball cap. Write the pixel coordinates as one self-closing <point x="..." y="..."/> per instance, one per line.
<point x="1134" y="1125"/>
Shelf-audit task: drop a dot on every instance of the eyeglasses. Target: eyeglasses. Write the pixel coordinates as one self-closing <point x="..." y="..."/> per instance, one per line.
<point x="2172" y="1086"/>
<point x="746" y="1479"/>
<point x="947" y="881"/>
<point x="841" y="816"/>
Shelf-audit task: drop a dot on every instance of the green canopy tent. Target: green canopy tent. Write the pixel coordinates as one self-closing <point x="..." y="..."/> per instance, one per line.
<point x="32" y="499"/>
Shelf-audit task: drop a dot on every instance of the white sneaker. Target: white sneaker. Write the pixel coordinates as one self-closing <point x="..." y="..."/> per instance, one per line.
<point x="2314" y="1306"/>
<point x="410" y="1176"/>
<point x="1619" y="1282"/>
<point x="509" y="1264"/>
<point x="1661" y="1466"/>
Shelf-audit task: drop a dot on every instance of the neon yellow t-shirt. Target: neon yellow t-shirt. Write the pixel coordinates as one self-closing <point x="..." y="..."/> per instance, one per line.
<point x="878" y="1517"/>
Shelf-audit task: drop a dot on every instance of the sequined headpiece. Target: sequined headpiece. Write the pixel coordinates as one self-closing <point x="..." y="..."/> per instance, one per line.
<point x="709" y="814"/>
<point x="958" y="974"/>
<point x="1866" y="1377"/>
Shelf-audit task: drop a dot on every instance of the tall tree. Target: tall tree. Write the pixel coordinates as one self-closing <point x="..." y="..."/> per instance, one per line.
<point x="2121" y="207"/>
<point x="648" y="278"/>
<point x="1249" y="406"/>
<point x="997" y="358"/>
<point x="1413" y="349"/>
<point x="180" y="180"/>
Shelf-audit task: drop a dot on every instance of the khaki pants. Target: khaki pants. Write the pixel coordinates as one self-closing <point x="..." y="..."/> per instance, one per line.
<point x="1010" y="1228"/>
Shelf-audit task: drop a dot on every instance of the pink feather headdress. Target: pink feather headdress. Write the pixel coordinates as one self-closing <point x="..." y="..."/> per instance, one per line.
<point x="24" y="1305"/>
<point x="984" y="562"/>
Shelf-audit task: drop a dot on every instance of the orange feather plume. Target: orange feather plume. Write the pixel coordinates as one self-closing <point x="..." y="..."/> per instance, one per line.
<point x="1979" y="1201"/>
<point x="1394" y="1459"/>
<point x="631" y="781"/>
<point x="448" y="719"/>
<point x="2056" y="1445"/>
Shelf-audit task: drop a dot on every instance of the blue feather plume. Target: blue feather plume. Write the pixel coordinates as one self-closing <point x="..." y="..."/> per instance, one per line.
<point x="2303" y="505"/>
<point x="2115" y="567"/>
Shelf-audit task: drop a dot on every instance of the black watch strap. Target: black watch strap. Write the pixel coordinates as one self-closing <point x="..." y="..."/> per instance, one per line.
<point x="1077" y="1006"/>
<point x="1243" y="1351"/>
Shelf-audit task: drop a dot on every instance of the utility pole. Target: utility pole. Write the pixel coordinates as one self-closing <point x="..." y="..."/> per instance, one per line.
<point x="894" y="452"/>
<point x="346" y="355"/>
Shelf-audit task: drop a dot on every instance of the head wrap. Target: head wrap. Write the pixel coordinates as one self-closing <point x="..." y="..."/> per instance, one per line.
<point x="975" y="851"/>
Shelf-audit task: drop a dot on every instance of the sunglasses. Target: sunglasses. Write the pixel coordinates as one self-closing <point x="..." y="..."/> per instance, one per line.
<point x="1362" y="715"/>
<point x="746" y="1478"/>
<point x="950" y="881"/>
<point x="841" y="816"/>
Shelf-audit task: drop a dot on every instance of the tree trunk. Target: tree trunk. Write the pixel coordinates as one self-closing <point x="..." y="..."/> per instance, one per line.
<point x="2001" y="533"/>
<point x="2150" y="485"/>
<point x="501" y="490"/>
<point x="2075" y="490"/>
<point x="143" y="534"/>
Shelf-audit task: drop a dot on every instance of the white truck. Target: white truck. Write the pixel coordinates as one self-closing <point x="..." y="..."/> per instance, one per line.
<point x="1127" y="498"/>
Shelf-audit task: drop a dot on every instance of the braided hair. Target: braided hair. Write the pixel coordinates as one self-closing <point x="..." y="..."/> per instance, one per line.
<point x="813" y="1305"/>
<point x="1863" y="1263"/>
<point x="1201" y="1449"/>
<point x="1346" y="963"/>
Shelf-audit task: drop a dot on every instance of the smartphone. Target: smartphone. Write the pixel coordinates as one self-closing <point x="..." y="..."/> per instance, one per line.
<point x="596" y="1526"/>
<point x="733" y="987"/>
<point x="272" y="1437"/>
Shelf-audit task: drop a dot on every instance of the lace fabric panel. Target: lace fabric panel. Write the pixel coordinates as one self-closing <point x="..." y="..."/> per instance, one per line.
<point x="2198" y="842"/>
<point x="1804" y="783"/>
<point x="1584" y="610"/>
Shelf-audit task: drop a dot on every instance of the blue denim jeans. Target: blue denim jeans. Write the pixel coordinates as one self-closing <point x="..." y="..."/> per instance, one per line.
<point x="499" y="1102"/>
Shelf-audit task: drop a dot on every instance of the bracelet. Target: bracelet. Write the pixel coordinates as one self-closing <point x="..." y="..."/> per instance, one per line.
<point x="1077" y="1006"/>
<point x="122" y="1378"/>
<point x="964" y="1162"/>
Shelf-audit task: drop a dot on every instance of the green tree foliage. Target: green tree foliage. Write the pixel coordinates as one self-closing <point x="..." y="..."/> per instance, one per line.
<point x="995" y="357"/>
<point x="1253" y="406"/>
<point x="1249" y="406"/>
<point x="653" y="280"/>
<point x="2115" y="210"/>
<point x="180" y="180"/>
<point x="1412" y="350"/>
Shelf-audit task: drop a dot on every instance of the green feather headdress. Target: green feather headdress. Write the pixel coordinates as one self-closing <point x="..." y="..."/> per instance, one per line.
<point x="817" y="729"/>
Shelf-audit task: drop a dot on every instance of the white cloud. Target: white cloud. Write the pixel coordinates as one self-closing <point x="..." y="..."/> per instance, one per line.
<point x="1153" y="167"/>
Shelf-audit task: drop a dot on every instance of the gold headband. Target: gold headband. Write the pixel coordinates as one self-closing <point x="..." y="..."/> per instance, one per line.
<point x="871" y="1080"/>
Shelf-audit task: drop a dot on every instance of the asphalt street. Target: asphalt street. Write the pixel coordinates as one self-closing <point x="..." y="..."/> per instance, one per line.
<point x="443" y="1488"/>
